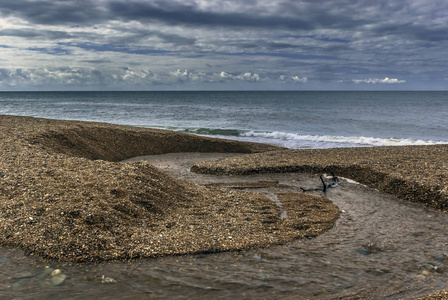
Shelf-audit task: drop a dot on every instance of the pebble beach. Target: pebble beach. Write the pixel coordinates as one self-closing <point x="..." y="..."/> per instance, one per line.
<point x="413" y="173"/>
<point x="67" y="196"/>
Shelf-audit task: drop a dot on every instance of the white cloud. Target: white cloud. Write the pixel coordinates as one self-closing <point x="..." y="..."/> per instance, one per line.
<point x="137" y="76"/>
<point x="298" y="79"/>
<point x="377" y="80"/>
<point x="132" y="77"/>
<point x="186" y="75"/>
<point x="225" y="75"/>
<point x="248" y="77"/>
<point x="52" y="77"/>
<point x="180" y="75"/>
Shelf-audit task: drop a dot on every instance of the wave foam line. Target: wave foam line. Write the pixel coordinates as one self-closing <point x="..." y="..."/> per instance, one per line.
<point x="213" y="131"/>
<point x="340" y="139"/>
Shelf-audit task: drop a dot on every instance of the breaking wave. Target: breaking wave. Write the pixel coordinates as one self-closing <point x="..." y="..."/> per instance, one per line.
<point x="297" y="141"/>
<point x="365" y="141"/>
<point x="214" y="131"/>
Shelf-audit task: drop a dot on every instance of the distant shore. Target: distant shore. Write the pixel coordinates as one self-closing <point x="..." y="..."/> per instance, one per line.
<point x="65" y="196"/>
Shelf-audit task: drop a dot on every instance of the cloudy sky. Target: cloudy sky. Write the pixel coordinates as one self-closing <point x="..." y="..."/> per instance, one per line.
<point x="225" y="44"/>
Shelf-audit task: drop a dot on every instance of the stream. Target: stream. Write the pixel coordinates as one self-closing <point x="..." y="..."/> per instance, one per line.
<point x="380" y="247"/>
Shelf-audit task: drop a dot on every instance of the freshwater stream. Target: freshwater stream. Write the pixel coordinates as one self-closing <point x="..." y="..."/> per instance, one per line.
<point x="380" y="246"/>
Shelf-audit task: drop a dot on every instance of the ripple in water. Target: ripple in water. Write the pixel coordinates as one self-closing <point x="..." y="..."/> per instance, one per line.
<point x="380" y="244"/>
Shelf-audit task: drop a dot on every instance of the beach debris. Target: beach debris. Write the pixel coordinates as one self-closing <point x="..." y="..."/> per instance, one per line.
<point x="105" y="279"/>
<point x="325" y="186"/>
<point x="102" y="279"/>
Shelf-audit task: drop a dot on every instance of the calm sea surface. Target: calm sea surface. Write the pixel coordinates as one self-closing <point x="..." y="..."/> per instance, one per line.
<point x="291" y="119"/>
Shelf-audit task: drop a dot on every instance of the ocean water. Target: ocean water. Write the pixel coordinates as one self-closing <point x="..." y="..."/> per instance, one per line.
<point x="294" y="119"/>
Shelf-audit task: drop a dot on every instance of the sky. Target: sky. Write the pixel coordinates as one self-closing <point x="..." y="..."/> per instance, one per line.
<point x="223" y="45"/>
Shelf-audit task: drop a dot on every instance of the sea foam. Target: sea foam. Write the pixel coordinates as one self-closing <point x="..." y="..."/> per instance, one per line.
<point x="294" y="140"/>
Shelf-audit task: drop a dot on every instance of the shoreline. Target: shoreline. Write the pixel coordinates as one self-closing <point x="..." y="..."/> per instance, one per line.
<point x="62" y="189"/>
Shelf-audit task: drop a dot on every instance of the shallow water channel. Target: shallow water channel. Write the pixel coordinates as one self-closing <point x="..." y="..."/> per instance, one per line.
<point x="380" y="246"/>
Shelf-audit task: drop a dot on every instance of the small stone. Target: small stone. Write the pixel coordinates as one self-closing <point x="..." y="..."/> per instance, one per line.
<point x="58" y="279"/>
<point x="105" y="279"/>
<point x="55" y="272"/>
<point x="429" y="267"/>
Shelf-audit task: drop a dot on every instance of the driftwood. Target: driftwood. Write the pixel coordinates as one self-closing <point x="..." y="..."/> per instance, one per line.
<point x="326" y="186"/>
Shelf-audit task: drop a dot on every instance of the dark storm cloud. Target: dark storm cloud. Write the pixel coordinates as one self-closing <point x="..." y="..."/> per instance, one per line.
<point x="137" y="35"/>
<point x="53" y="12"/>
<point x="189" y="15"/>
<point x="51" y="50"/>
<point x="33" y="33"/>
<point x="97" y="61"/>
<point x="115" y="48"/>
<point x="413" y="31"/>
<point x="305" y="41"/>
<point x="174" y="38"/>
<point x="293" y="15"/>
<point x="284" y="55"/>
<point x="170" y="12"/>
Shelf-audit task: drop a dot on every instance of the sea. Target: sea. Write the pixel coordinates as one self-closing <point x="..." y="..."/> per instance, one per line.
<point x="292" y="119"/>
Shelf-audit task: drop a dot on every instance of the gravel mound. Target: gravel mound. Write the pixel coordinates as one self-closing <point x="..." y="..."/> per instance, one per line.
<point x="63" y="196"/>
